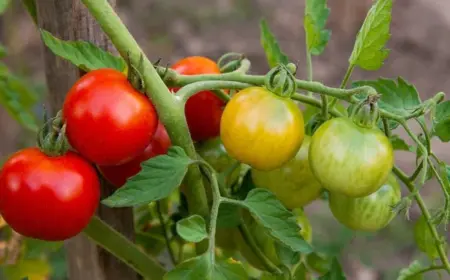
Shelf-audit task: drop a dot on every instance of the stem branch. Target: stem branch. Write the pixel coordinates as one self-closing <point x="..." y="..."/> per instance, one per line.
<point x="165" y="232"/>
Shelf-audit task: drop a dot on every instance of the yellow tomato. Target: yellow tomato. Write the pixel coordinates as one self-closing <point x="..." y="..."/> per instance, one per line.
<point x="261" y="129"/>
<point x="293" y="183"/>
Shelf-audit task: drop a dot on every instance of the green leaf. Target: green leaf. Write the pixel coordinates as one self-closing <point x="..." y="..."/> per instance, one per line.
<point x="35" y="247"/>
<point x="400" y="144"/>
<point x="273" y="52"/>
<point x="4" y="4"/>
<point x="157" y="179"/>
<point x="369" y="51"/>
<point x="34" y="269"/>
<point x="300" y="272"/>
<point x="410" y="273"/>
<point x="444" y="171"/>
<point x="280" y="222"/>
<point x="17" y="99"/>
<point x="286" y="255"/>
<point x="84" y="55"/>
<point x="3" y="51"/>
<point x="441" y="121"/>
<point x="316" y="15"/>
<point x="335" y="272"/>
<point x="30" y="5"/>
<point x="399" y="98"/>
<point x="229" y="216"/>
<point x="201" y="267"/>
<point x="192" y="228"/>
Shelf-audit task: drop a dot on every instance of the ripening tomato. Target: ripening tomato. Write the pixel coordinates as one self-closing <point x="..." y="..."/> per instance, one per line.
<point x="424" y="238"/>
<point x="350" y="159"/>
<point x="368" y="213"/>
<point x="293" y="183"/>
<point x="262" y="129"/>
<point x="107" y="120"/>
<point x="48" y="198"/>
<point x="204" y="109"/>
<point x="118" y="174"/>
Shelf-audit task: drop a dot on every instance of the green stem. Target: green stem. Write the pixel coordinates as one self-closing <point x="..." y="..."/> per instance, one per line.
<point x="123" y="249"/>
<point x="189" y="90"/>
<point x="344" y="82"/>
<point x="425" y="133"/>
<point x="314" y="102"/>
<point x="309" y="68"/>
<point x="170" y="110"/>
<point x="251" y="242"/>
<point x="324" y="99"/>
<point x="387" y="131"/>
<point x="165" y="232"/>
<point x="427" y="269"/>
<point x="439" y="246"/>
<point x="442" y="184"/>
<point x="416" y="173"/>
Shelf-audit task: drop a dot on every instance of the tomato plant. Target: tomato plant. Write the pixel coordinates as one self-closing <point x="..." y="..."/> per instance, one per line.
<point x="369" y="213"/>
<point x="424" y="238"/>
<point x="293" y="183"/>
<point x="262" y="129"/>
<point x="350" y="159"/>
<point x="203" y="110"/>
<point x="107" y="120"/>
<point x="118" y="174"/>
<point x="48" y="198"/>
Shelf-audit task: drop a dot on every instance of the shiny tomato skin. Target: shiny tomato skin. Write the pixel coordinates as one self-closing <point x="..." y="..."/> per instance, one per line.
<point x="118" y="174"/>
<point x="107" y="120"/>
<point x="262" y="129"/>
<point x="350" y="159"/>
<point x="293" y="183"/>
<point x="369" y="213"/>
<point x="204" y="109"/>
<point x="48" y="198"/>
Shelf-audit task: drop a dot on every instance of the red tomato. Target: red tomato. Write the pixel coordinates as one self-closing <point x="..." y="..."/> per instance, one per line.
<point x="48" y="198"/>
<point x="107" y="120"/>
<point x="118" y="174"/>
<point x="203" y="110"/>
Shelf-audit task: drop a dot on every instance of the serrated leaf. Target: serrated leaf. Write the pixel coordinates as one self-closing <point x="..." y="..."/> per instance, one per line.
<point x="192" y="228"/>
<point x="397" y="97"/>
<point x="84" y="55"/>
<point x="33" y="269"/>
<point x="280" y="222"/>
<point x="400" y="144"/>
<point x="272" y="50"/>
<point x="229" y="216"/>
<point x="316" y="15"/>
<point x="30" y="5"/>
<point x="335" y="272"/>
<point x="369" y="51"/>
<point x="157" y="179"/>
<point x="441" y="121"/>
<point x="201" y="267"/>
<point x="4" y="4"/>
<point x="411" y="272"/>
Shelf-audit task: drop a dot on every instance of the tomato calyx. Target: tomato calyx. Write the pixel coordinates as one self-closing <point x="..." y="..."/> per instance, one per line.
<point x="366" y="113"/>
<point x="281" y="81"/>
<point x="52" y="139"/>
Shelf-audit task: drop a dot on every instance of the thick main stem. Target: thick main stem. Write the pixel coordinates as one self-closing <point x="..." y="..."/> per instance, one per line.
<point x="125" y="250"/>
<point x="170" y="110"/>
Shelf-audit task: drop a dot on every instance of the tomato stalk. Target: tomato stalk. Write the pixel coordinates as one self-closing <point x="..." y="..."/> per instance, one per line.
<point x="187" y="91"/>
<point x="439" y="245"/>
<point x="170" y="109"/>
<point x="125" y="250"/>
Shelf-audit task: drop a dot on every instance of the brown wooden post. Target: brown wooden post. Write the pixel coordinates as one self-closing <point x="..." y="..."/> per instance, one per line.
<point x="70" y="20"/>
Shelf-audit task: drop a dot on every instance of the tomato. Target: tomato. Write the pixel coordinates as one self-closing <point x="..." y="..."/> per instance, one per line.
<point x="118" y="174"/>
<point x="107" y="120"/>
<point x="204" y="109"/>
<point x="48" y="198"/>
<point x="262" y="129"/>
<point x="424" y="238"/>
<point x="350" y="159"/>
<point x="369" y="213"/>
<point x="293" y="183"/>
<point x="265" y="241"/>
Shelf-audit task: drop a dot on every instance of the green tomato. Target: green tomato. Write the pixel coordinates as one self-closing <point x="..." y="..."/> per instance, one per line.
<point x="369" y="213"/>
<point x="424" y="238"/>
<point x="293" y="183"/>
<point x="349" y="159"/>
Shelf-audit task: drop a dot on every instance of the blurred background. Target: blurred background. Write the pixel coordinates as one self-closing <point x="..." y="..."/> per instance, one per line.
<point x="172" y="29"/>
